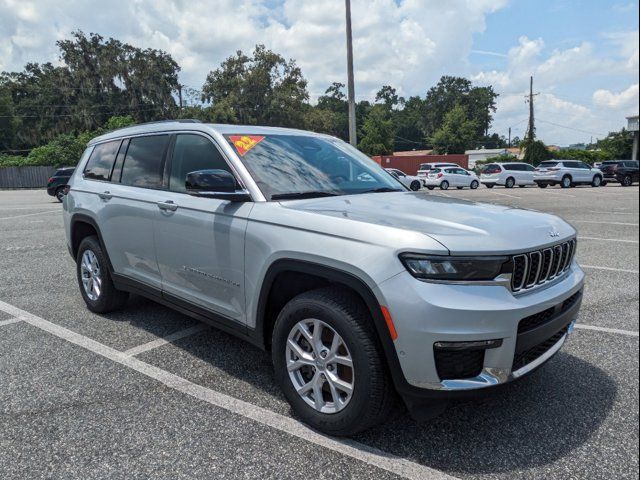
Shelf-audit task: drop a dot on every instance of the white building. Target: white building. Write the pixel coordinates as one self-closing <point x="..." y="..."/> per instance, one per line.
<point x="483" y="154"/>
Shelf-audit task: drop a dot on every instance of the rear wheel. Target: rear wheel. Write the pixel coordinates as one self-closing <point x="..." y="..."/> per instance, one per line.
<point x="566" y="182"/>
<point x="627" y="181"/>
<point x="60" y="194"/>
<point x="597" y="181"/>
<point x="489" y="185"/>
<point x="329" y="363"/>
<point x="522" y="186"/>
<point x="474" y="185"/>
<point x="431" y="188"/>
<point x="444" y="185"/>
<point x="510" y="183"/>
<point x="94" y="279"/>
<point x="459" y="188"/>
<point x="415" y="185"/>
<point x="543" y="185"/>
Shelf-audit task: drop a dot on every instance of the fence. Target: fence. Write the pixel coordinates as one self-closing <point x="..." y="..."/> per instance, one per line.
<point x="25" y="177"/>
<point x="409" y="164"/>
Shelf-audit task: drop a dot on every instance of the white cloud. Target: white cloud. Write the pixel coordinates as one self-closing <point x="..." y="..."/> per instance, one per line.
<point x="624" y="100"/>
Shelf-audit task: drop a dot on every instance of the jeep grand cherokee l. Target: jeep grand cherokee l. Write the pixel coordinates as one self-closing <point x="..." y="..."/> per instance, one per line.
<point x="302" y="245"/>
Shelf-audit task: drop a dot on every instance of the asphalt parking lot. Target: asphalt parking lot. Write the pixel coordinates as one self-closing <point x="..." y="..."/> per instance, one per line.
<point x="147" y="392"/>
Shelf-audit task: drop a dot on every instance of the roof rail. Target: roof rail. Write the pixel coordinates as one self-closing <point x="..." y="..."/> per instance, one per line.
<point x="181" y="120"/>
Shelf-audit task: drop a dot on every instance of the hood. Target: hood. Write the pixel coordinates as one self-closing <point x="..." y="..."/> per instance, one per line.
<point x="463" y="227"/>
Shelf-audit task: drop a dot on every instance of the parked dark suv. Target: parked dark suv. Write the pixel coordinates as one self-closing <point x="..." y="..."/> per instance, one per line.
<point x="623" y="171"/>
<point x="56" y="184"/>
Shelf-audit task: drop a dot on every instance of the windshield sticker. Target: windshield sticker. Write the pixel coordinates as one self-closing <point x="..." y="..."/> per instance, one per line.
<point x="244" y="143"/>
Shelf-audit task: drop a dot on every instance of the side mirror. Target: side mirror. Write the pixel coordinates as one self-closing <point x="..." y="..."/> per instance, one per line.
<point x="218" y="184"/>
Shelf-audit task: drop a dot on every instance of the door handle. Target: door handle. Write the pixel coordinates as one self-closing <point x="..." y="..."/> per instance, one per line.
<point x="105" y="195"/>
<point x="167" y="206"/>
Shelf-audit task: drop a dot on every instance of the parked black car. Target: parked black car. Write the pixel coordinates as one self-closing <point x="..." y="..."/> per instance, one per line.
<point x="621" y="171"/>
<point x="56" y="184"/>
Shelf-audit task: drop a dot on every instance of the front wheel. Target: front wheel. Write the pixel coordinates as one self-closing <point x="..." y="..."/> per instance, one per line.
<point x="542" y="185"/>
<point x="415" y="186"/>
<point x="329" y="363"/>
<point x="566" y="182"/>
<point x="94" y="279"/>
<point x="489" y="185"/>
<point x="444" y="185"/>
<point x="431" y="188"/>
<point x="474" y="185"/>
<point x="627" y="181"/>
<point x="597" y="181"/>
<point x="510" y="183"/>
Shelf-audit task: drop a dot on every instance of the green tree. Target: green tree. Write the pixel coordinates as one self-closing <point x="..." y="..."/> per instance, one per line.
<point x="8" y="121"/>
<point x="619" y="145"/>
<point x="457" y="134"/>
<point x="378" y="132"/>
<point x="262" y="89"/>
<point x="535" y="152"/>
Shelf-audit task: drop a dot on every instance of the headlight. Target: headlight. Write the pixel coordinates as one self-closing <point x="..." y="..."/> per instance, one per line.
<point x="432" y="267"/>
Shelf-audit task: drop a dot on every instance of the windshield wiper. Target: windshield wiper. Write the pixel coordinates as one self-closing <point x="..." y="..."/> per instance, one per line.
<point x="296" y="195"/>
<point x="383" y="190"/>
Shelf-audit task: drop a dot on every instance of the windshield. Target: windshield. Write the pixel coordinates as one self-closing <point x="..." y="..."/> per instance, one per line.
<point x="292" y="166"/>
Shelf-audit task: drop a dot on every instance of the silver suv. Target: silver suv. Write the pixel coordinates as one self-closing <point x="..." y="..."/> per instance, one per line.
<point x="302" y="245"/>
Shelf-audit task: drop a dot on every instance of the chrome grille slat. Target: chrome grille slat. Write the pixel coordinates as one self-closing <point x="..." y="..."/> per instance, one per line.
<point x="538" y="267"/>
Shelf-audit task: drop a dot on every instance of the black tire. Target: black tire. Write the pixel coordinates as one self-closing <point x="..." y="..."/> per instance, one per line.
<point x="474" y="185"/>
<point x="60" y="194"/>
<point x="543" y="185"/>
<point x="109" y="298"/>
<point x="373" y="395"/>
<point x="566" y="182"/>
<point x="604" y="183"/>
<point x="489" y="185"/>
<point x="522" y="186"/>
<point x="510" y="183"/>
<point x="444" y="185"/>
<point x="597" y="181"/>
<point x="459" y="188"/>
<point x="627" y="181"/>
<point x="430" y="188"/>
<point x="415" y="186"/>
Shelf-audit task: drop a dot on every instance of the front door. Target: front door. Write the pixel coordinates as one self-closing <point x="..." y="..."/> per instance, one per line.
<point x="200" y="241"/>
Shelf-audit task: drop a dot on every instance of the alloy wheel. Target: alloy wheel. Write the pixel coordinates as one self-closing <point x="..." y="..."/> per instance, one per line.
<point x="91" y="275"/>
<point x="320" y="366"/>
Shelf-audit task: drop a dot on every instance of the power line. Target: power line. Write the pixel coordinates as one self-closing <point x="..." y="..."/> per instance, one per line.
<point x="572" y="128"/>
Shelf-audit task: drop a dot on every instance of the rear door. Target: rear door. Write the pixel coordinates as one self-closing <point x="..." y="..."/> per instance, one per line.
<point x="130" y="207"/>
<point x="527" y="174"/>
<point x="200" y="241"/>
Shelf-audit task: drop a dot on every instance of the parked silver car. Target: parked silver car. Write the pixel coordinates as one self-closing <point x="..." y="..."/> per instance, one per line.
<point x="566" y="173"/>
<point x="302" y="245"/>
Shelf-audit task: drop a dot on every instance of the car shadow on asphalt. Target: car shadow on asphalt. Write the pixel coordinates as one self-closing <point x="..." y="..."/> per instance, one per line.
<point x="528" y="424"/>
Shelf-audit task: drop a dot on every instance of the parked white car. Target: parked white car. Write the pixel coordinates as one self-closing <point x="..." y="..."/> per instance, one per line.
<point x="451" y="177"/>
<point x="425" y="168"/>
<point x="507" y="174"/>
<point x="567" y="173"/>
<point x="410" y="181"/>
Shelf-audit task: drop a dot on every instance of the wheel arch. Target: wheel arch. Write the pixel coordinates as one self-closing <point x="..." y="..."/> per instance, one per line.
<point x="82" y="226"/>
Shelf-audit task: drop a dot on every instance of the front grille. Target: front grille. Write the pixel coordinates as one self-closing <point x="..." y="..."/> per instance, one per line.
<point x="541" y="266"/>
<point x="537" y="320"/>
<point x="528" y="356"/>
<point x="458" y="364"/>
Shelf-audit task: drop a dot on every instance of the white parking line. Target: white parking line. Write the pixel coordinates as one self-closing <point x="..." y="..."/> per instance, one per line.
<point x="505" y="195"/>
<point x="10" y="321"/>
<point x="610" y="269"/>
<point x="372" y="456"/>
<point x="145" y="347"/>
<point x="618" y="240"/>
<point x="606" y="223"/>
<point x="26" y="215"/>
<point x="551" y="192"/>
<point x="35" y="207"/>
<point x="629" y="333"/>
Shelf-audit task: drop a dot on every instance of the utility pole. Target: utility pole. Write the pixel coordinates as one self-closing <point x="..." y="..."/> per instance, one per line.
<point x="509" y="137"/>
<point x="531" y="135"/>
<point x="351" y="97"/>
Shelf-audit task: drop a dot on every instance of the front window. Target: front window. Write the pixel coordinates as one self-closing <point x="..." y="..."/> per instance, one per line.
<point x="295" y="166"/>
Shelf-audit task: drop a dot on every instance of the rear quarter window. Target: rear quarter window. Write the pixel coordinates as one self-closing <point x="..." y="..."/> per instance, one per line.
<point x="101" y="161"/>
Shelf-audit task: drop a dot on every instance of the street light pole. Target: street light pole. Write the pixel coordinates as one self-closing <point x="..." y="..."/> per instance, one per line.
<point x="350" y="84"/>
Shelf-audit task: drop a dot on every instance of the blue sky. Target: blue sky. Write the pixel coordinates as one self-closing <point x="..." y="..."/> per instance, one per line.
<point x="583" y="54"/>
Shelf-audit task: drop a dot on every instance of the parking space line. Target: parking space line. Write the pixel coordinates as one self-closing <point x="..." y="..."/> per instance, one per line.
<point x="610" y="269"/>
<point x="618" y="240"/>
<point x="358" y="451"/>
<point x="506" y="195"/>
<point x="10" y="321"/>
<point x="551" y="192"/>
<point x="27" y="215"/>
<point x="629" y="333"/>
<point x="145" y="347"/>
<point x="606" y="223"/>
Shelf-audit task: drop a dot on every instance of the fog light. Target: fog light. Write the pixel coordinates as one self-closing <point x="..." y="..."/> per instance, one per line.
<point x="475" y="345"/>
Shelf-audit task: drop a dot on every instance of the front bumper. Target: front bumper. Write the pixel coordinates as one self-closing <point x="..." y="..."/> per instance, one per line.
<point x="425" y="313"/>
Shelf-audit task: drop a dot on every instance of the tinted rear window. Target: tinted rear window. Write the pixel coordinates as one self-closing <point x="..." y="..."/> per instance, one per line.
<point x="101" y="161"/>
<point x="491" y="168"/>
<point x="548" y="164"/>
<point x="144" y="161"/>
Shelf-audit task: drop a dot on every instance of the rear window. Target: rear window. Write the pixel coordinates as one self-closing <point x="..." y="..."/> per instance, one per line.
<point x="435" y="170"/>
<point x="548" y="164"/>
<point x="144" y="161"/>
<point x="101" y="161"/>
<point x="492" y="168"/>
